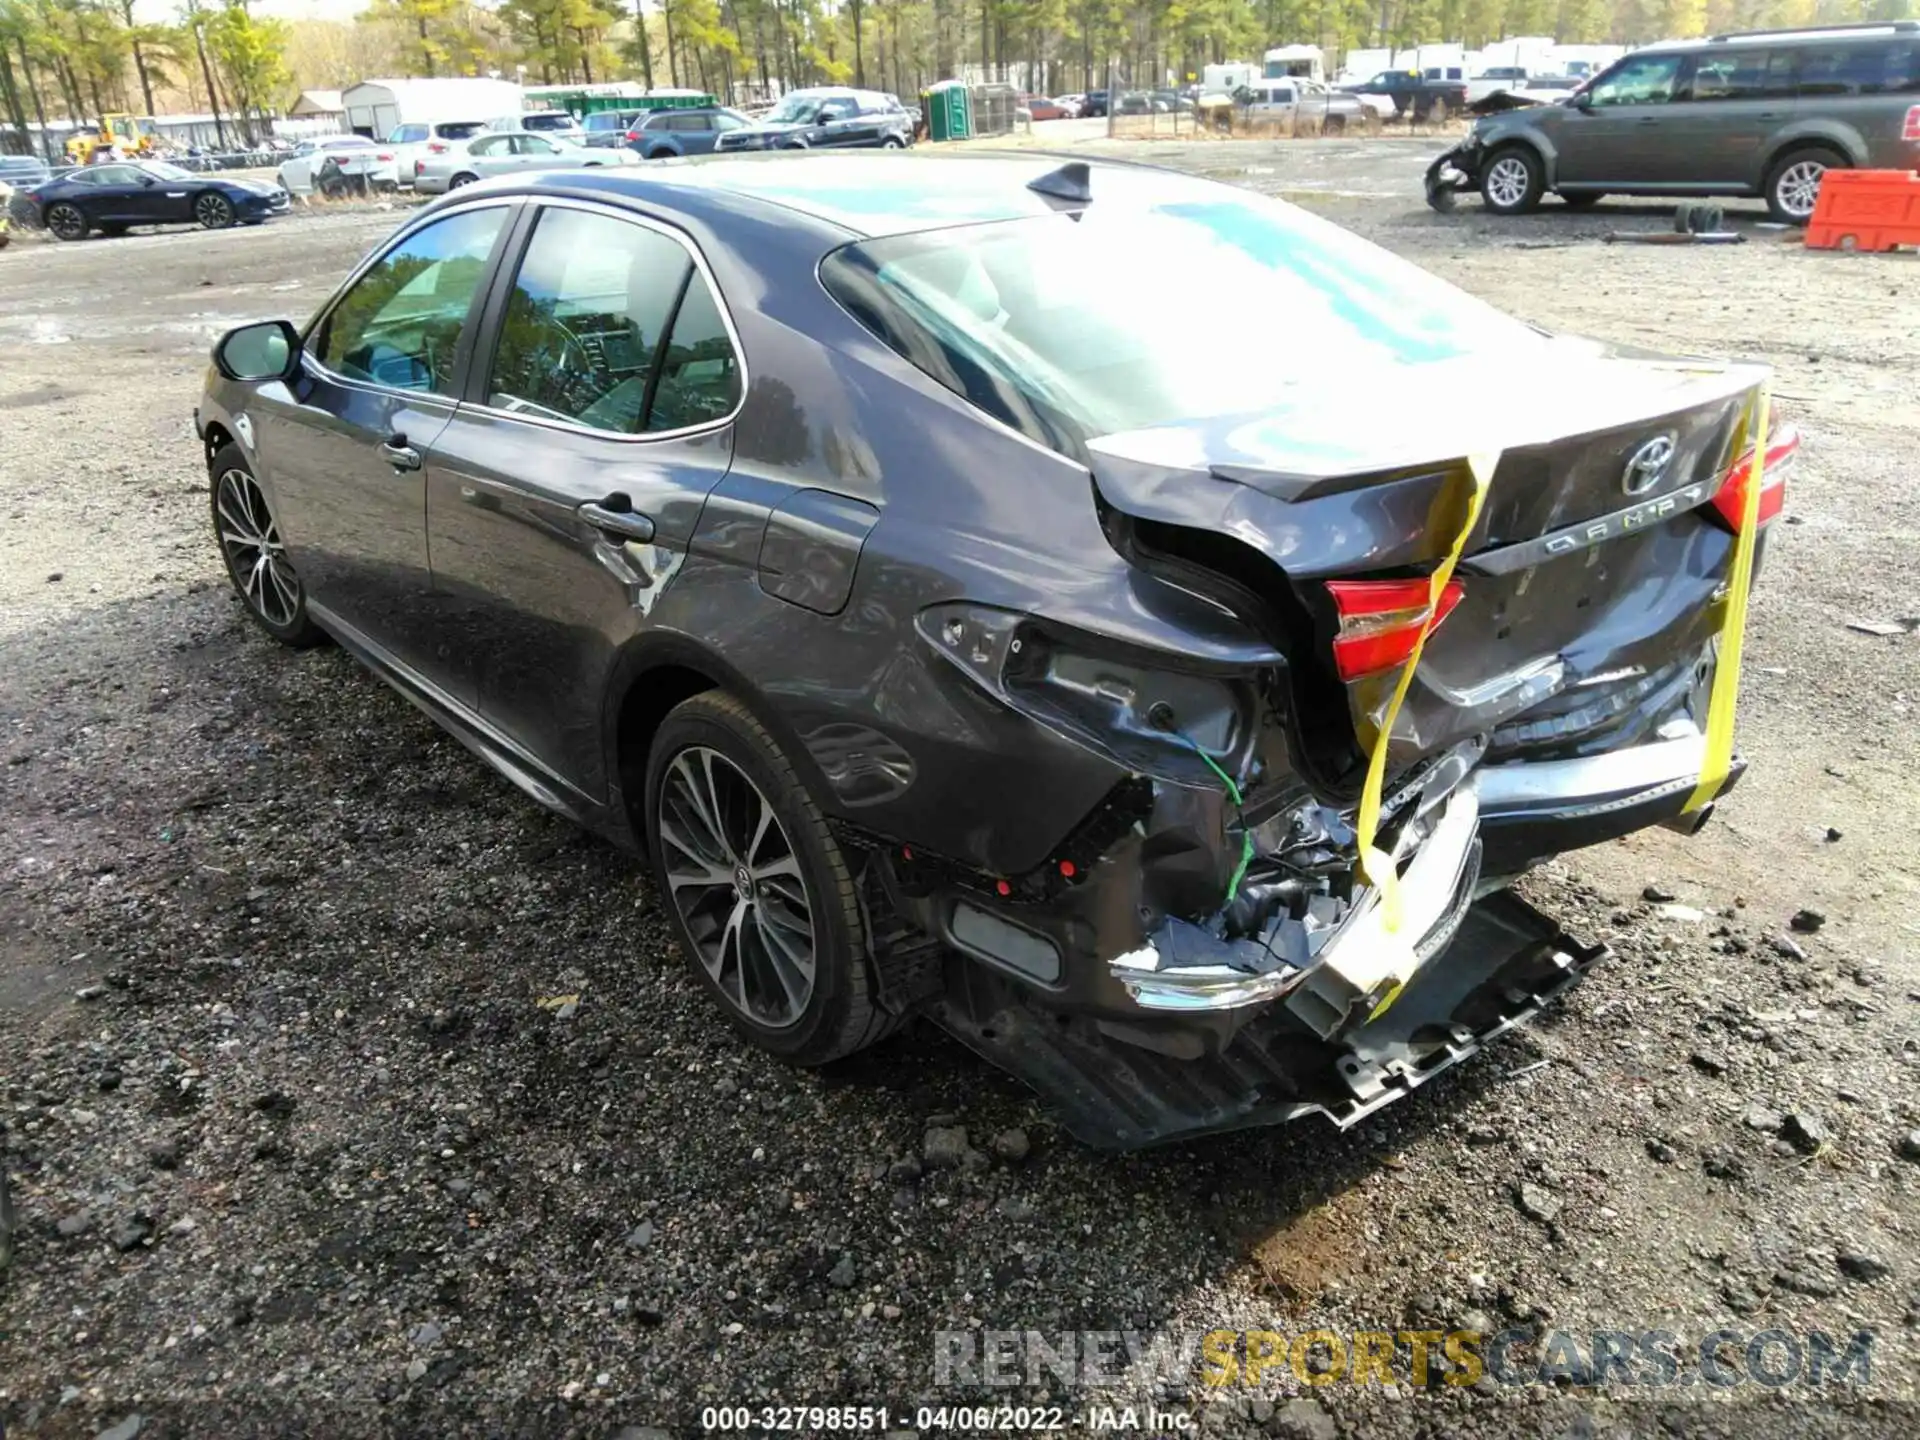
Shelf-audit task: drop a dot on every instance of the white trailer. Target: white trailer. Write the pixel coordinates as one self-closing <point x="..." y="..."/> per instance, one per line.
<point x="377" y="108"/>
<point x="1298" y="62"/>
<point x="1225" y="79"/>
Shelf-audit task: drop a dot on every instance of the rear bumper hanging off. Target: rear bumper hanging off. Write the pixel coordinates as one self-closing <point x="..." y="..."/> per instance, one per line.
<point x="1505" y="963"/>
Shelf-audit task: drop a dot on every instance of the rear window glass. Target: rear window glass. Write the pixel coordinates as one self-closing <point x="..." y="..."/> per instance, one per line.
<point x="1228" y="305"/>
<point x="1865" y="67"/>
<point x="461" y="129"/>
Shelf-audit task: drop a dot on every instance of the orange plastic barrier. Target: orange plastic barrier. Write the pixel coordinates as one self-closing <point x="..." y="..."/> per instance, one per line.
<point x="1866" y="210"/>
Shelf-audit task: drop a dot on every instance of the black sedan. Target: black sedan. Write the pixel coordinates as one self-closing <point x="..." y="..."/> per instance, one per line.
<point x="113" y="198"/>
<point x="954" y="647"/>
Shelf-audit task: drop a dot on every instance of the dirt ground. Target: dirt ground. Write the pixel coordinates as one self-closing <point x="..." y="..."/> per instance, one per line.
<point x="296" y="1147"/>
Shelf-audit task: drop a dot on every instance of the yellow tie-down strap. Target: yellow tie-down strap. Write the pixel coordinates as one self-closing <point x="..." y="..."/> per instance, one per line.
<point x="1377" y="868"/>
<point x="1724" y="698"/>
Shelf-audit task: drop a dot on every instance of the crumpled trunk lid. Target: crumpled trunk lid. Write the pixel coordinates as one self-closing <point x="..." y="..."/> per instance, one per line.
<point x="1589" y="579"/>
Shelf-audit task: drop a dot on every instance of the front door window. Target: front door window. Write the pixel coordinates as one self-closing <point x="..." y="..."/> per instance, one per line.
<point x="1647" y="80"/>
<point x="399" y="326"/>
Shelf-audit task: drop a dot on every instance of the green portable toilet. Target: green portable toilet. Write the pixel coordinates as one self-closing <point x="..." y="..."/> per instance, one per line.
<point x="949" y="111"/>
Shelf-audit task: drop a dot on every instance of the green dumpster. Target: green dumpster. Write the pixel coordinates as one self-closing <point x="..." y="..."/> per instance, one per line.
<point x="949" y="111"/>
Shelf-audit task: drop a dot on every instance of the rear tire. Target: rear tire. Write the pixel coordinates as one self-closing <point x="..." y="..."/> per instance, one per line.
<point x="739" y="877"/>
<point x="457" y="181"/>
<point x="893" y="142"/>
<point x="66" y="221"/>
<point x="662" y="154"/>
<point x="1512" y="180"/>
<point x="1793" y="182"/>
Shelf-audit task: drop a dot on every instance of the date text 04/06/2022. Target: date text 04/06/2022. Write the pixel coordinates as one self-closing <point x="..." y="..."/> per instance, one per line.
<point x="962" y="1419"/>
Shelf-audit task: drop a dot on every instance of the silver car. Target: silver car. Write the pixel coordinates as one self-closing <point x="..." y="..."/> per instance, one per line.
<point x="508" y="152"/>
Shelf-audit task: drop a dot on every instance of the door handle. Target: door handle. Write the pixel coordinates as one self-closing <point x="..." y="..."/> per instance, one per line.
<point x="399" y="454"/>
<point x="616" y="516"/>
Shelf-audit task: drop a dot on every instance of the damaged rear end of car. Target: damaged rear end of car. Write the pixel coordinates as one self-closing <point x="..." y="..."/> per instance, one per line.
<point x="1206" y="949"/>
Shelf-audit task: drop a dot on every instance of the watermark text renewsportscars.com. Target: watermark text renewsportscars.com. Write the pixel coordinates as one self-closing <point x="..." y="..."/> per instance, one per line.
<point x="1722" y="1359"/>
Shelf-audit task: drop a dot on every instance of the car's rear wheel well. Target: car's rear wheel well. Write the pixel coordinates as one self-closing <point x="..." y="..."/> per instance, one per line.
<point x="1791" y="147"/>
<point x="649" y="700"/>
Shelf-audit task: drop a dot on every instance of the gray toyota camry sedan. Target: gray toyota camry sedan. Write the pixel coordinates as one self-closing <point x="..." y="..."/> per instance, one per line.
<point x="981" y="586"/>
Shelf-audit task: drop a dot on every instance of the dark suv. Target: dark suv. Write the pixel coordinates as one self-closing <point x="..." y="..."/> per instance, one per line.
<point x="830" y="117"/>
<point x="1765" y="113"/>
<point x="666" y="133"/>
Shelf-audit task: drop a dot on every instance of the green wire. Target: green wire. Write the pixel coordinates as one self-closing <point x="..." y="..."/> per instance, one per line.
<point x="1233" y="793"/>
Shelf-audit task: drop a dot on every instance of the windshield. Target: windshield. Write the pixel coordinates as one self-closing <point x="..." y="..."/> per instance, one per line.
<point x="1019" y="316"/>
<point x="794" y="108"/>
<point x="165" y="171"/>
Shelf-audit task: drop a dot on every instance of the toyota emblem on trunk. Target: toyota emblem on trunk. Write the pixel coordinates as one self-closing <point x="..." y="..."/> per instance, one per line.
<point x="1647" y="465"/>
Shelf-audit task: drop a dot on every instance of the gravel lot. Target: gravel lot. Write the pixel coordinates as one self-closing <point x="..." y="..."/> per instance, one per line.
<point x="297" y="1146"/>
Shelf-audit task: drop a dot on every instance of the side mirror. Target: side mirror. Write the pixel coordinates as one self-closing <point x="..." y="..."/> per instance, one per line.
<point x="1582" y="101"/>
<point x="269" y="350"/>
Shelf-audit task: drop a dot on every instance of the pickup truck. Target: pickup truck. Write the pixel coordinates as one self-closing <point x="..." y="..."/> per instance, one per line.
<point x="1416" y="96"/>
<point x="1494" y="79"/>
<point x="1289" y="100"/>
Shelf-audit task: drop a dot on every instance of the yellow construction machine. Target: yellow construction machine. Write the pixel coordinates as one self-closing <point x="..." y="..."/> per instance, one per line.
<point x="121" y="134"/>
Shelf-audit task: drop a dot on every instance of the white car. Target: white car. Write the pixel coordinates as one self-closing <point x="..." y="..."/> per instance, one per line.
<point x="355" y="154"/>
<point x="545" y="122"/>
<point x="1074" y="105"/>
<point x="418" y="140"/>
<point x="508" y="152"/>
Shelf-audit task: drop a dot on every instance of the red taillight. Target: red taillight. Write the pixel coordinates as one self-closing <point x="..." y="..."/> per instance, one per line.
<point x="1381" y="619"/>
<point x="1730" y="502"/>
<point x="633" y="134"/>
<point x="419" y="168"/>
<point x="383" y="157"/>
<point x="435" y="147"/>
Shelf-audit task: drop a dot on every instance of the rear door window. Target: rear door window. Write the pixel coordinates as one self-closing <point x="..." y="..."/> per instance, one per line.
<point x="582" y="339"/>
<point x="1738" y="75"/>
<point x="400" y="323"/>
